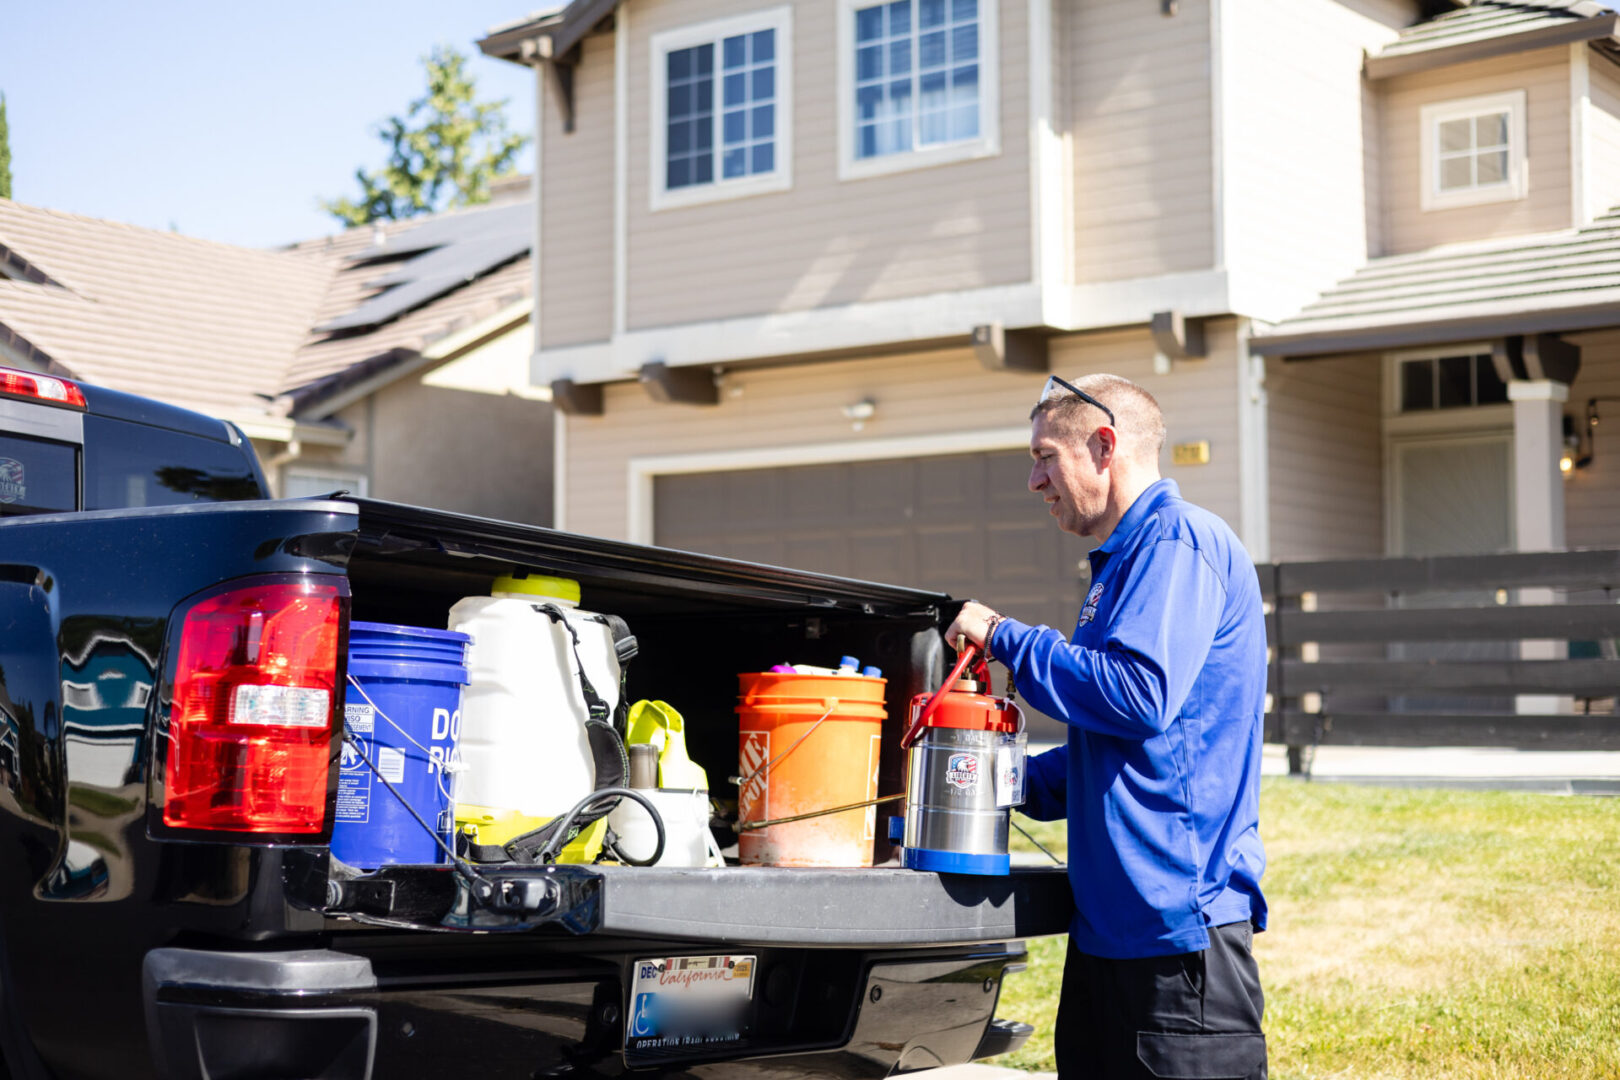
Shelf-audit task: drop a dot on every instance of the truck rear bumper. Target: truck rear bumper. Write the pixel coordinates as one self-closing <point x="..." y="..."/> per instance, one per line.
<point x="317" y="1012"/>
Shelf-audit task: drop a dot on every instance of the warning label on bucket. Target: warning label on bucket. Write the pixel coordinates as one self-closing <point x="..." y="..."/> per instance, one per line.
<point x="354" y="776"/>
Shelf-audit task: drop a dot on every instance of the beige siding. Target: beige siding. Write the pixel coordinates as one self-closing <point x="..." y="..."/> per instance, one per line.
<point x="488" y="455"/>
<point x="1592" y="494"/>
<point x="1603" y="133"/>
<point x="576" y="204"/>
<point x="1544" y="75"/>
<point x="1326" y="448"/>
<point x="1139" y="105"/>
<point x="916" y="395"/>
<point x="825" y="242"/>
<point x="1295" y="174"/>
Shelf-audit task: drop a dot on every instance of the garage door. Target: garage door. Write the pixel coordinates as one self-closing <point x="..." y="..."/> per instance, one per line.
<point x="965" y="524"/>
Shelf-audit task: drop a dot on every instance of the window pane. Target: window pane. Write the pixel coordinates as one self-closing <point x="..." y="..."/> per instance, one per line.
<point x="931" y="50"/>
<point x="703" y="135"/>
<point x="1456" y="173"/>
<point x="764" y="83"/>
<point x="704" y="96"/>
<point x="965" y="122"/>
<point x="965" y="85"/>
<point x="1456" y="381"/>
<point x="869" y="63"/>
<point x="703" y="169"/>
<point x="895" y="137"/>
<point x="1491" y="389"/>
<point x="735" y="51"/>
<point x="703" y="61"/>
<point x="965" y="43"/>
<point x="680" y="99"/>
<point x="964" y="9"/>
<point x="679" y="173"/>
<point x="680" y="138"/>
<point x="134" y="465"/>
<point x="38" y="477"/>
<point x="734" y="127"/>
<point x="869" y="24"/>
<point x="736" y="90"/>
<point x="690" y="108"/>
<point x="900" y="57"/>
<point x="764" y="121"/>
<point x="1417" y="385"/>
<point x="935" y="128"/>
<point x="680" y="64"/>
<point x="1493" y="167"/>
<point x="866" y="102"/>
<point x="932" y="88"/>
<point x="734" y="163"/>
<point x="900" y="17"/>
<point x="930" y="13"/>
<point x="764" y="42"/>
<point x="764" y="157"/>
<point x="1491" y="130"/>
<point x="1454" y="135"/>
<point x="866" y="141"/>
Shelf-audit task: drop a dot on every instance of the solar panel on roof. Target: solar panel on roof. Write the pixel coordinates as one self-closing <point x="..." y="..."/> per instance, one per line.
<point x="449" y="252"/>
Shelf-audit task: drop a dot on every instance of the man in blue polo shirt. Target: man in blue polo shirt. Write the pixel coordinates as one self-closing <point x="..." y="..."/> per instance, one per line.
<point x="1162" y="687"/>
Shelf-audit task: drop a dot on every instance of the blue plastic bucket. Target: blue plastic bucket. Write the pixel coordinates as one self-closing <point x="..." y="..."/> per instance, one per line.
<point x="402" y="716"/>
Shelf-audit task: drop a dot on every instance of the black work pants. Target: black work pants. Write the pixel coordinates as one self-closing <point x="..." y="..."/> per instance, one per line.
<point x="1192" y="1016"/>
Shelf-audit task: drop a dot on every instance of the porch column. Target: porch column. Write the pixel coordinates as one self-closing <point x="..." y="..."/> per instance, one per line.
<point x="1538" y="505"/>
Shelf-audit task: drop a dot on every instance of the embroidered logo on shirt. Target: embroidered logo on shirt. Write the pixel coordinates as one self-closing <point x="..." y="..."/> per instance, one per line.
<point x="1089" y="612"/>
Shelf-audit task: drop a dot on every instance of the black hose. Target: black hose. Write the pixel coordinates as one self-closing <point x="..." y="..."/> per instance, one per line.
<point x="547" y="855"/>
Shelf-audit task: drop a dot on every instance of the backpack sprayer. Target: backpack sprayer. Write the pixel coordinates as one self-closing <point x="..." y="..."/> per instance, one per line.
<point x="964" y="774"/>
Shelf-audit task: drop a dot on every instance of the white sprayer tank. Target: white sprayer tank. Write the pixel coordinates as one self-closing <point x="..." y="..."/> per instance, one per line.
<point x="523" y="713"/>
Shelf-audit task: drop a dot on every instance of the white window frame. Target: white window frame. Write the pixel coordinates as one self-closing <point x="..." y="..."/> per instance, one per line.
<point x="779" y="19"/>
<point x="986" y="144"/>
<point x="1517" y="183"/>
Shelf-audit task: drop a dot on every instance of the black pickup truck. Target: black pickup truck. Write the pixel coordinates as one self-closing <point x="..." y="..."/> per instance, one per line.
<point x="173" y="910"/>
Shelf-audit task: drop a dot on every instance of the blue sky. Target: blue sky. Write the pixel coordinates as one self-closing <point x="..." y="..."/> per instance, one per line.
<point x="225" y="120"/>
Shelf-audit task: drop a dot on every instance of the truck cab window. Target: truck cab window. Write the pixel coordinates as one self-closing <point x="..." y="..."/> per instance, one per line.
<point x="37" y="476"/>
<point x="130" y="464"/>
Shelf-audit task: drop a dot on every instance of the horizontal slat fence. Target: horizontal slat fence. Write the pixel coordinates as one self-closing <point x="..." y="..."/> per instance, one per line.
<point x="1337" y="629"/>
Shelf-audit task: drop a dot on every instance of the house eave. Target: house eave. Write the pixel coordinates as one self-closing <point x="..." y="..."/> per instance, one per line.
<point x="1600" y="29"/>
<point x="552" y="35"/>
<point x="1330" y="341"/>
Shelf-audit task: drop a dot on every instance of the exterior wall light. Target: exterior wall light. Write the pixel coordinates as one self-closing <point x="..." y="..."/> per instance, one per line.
<point x="860" y="412"/>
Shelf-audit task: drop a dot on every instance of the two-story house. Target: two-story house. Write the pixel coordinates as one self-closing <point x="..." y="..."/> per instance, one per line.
<point x="802" y="267"/>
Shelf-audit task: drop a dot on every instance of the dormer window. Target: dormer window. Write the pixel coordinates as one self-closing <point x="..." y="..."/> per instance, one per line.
<point x="1473" y="151"/>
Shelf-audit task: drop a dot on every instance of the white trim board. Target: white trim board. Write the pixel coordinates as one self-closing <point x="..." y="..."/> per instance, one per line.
<point x="644" y="471"/>
<point x="931" y="317"/>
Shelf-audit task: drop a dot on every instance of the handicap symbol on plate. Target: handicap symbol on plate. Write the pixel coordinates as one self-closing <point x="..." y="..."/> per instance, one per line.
<point x="643" y="1021"/>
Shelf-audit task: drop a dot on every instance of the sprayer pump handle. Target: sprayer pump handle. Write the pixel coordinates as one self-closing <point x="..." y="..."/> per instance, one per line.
<point x="962" y="661"/>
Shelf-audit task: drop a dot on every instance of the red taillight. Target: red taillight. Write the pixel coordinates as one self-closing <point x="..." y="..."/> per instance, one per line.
<point x="251" y="724"/>
<point x="31" y="384"/>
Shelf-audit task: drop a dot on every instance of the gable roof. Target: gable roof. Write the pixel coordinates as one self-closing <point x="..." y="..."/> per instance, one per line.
<point x="242" y="333"/>
<point x="1488" y="28"/>
<point x="1566" y="280"/>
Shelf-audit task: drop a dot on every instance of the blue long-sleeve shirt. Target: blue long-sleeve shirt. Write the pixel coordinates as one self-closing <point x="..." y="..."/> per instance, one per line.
<point x="1162" y="686"/>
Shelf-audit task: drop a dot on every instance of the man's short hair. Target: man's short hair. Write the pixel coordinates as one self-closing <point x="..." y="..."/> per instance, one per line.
<point x="1137" y="416"/>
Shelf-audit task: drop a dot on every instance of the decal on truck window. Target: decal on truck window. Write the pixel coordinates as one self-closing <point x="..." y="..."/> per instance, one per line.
<point x="12" y="487"/>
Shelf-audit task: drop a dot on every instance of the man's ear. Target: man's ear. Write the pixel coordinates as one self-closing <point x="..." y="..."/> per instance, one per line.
<point x="1107" y="443"/>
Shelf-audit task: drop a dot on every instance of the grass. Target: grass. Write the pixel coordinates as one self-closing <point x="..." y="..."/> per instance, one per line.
<point x="1417" y="934"/>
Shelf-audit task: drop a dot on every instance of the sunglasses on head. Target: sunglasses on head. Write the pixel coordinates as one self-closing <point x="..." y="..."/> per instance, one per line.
<point x="1055" y="387"/>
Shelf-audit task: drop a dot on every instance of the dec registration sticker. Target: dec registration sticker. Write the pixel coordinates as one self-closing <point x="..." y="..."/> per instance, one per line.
<point x="689" y="1002"/>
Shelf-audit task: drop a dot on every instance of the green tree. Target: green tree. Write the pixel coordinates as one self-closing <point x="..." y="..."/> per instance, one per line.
<point x="444" y="152"/>
<point x="5" y="152"/>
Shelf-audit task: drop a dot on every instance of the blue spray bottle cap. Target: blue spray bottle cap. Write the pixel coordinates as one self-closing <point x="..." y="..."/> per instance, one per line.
<point x="849" y="664"/>
<point x="872" y="672"/>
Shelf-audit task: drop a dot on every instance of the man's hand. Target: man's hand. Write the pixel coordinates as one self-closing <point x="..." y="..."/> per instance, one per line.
<point x="973" y="621"/>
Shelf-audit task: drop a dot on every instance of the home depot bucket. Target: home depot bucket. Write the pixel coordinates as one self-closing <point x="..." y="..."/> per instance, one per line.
<point x="402" y="715"/>
<point x="808" y="743"/>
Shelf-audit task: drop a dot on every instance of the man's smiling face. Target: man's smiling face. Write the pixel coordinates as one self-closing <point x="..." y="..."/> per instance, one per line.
<point x="1064" y="472"/>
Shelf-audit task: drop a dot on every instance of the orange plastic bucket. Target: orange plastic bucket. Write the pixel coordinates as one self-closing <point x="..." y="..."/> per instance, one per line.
<point x="808" y="743"/>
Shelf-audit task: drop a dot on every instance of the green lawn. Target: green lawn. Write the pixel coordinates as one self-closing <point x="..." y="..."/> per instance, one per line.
<point x="1418" y="934"/>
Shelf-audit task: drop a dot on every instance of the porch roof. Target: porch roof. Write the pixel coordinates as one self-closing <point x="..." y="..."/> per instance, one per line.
<point x="1487" y="28"/>
<point x="1545" y="283"/>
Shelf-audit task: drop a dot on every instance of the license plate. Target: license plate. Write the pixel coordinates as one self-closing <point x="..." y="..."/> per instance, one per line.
<point x="689" y="1002"/>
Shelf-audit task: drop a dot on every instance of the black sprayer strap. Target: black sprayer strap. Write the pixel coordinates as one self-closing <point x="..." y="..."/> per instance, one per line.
<point x="608" y="755"/>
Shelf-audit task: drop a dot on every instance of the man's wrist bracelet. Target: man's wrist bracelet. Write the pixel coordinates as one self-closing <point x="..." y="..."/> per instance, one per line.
<point x="990" y="630"/>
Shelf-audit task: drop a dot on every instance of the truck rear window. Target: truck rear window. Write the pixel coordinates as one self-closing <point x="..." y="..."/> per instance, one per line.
<point x="37" y="476"/>
<point x="129" y="464"/>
